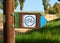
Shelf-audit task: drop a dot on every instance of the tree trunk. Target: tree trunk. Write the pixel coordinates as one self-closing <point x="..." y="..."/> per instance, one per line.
<point x="9" y="34"/>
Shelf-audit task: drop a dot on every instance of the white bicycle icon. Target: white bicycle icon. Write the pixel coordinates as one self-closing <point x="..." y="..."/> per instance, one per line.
<point x="29" y="20"/>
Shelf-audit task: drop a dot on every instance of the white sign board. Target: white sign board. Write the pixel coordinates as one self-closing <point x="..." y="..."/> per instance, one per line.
<point x="29" y="20"/>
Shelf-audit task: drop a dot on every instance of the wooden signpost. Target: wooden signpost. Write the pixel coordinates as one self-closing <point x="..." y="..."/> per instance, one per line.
<point x="26" y="20"/>
<point x="8" y="9"/>
<point x="31" y="21"/>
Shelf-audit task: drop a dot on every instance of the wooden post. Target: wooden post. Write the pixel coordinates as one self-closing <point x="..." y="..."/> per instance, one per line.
<point x="8" y="9"/>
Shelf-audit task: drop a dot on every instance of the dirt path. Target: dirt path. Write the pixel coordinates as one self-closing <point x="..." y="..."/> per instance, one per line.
<point x="50" y="17"/>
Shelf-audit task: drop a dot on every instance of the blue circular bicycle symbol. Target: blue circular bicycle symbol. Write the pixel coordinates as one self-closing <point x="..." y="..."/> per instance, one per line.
<point x="29" y="21"/>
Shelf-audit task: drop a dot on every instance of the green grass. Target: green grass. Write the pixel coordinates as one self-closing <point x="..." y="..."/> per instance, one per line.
<point x="50" y="33"/>
<point x="1" y="15"/>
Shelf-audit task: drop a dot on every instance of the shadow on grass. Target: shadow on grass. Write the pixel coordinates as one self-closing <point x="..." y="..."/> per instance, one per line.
<point x="37" y="41"/>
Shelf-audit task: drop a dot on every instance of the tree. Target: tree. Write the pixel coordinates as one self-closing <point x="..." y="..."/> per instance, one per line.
<point x="52" y="10"/>
<point x="1" y="2"/>
<point x="21" y="4"/>
<point x="1" y="6"/>
<point x="46" y="5"/>
<point x="15" y="4"/>
<point x="59" y="0"/>
<point x="57" y="7"/>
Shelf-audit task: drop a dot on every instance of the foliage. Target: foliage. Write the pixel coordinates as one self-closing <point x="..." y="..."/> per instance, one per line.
<point x="58" y="0"/>
<point x="1" y="6"/>
<point x="15" y="4"/>
<point x="52" y="10"/>
<point x="55" y="9"/>
<point x="46" y="5"/>
<point x="21" y="4"/>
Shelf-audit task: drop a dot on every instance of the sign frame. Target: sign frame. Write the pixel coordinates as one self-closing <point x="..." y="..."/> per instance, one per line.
<point x="21" y="14"/>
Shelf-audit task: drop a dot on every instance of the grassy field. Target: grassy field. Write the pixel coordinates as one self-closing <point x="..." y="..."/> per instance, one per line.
<point x="50" y="33"/>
